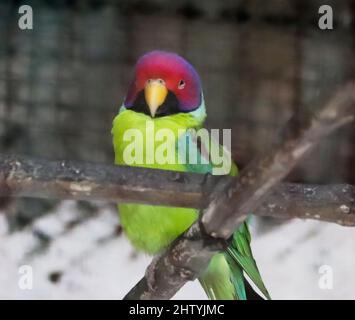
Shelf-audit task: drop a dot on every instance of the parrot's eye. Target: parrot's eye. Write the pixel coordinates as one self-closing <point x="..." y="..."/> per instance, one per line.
<point x="181" y="84"/>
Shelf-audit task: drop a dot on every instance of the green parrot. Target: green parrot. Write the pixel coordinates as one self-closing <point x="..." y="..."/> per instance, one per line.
<point x="166" y="95"/>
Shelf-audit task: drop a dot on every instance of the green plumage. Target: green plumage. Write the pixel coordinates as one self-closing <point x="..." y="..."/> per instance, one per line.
<point x="153" y="228"/>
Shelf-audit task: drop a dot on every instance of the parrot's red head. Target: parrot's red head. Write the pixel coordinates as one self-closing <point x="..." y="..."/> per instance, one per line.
<point x="164" y="84"/>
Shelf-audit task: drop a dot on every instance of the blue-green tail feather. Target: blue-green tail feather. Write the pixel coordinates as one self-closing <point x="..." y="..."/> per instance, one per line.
<point x="225" y="277"/>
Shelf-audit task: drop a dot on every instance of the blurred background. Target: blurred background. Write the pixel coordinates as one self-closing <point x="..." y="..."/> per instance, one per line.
<point x="62" y="83"/>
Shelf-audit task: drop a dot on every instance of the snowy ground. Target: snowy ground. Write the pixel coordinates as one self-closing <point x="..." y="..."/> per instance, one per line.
<point x="90" y="261"/>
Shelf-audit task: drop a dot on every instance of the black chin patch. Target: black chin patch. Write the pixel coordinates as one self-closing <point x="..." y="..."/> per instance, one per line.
<point x="169" y="107"/>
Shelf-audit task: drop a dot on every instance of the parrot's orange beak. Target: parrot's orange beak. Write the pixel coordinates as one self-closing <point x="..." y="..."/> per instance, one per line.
<point x="155" y="93"/>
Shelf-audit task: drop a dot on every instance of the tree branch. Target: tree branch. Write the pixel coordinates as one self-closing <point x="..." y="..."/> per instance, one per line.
<point x="70" y="180"/>
<point x="331" y="203"/>
<point x="232" y="200"/>
<point x="29" y="177"/>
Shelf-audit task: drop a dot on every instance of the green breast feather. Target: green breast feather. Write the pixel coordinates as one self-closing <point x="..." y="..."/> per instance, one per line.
<point x="151" y="228"/>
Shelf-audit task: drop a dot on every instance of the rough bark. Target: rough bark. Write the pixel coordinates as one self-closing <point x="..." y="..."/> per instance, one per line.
<point x="69" y="180"/>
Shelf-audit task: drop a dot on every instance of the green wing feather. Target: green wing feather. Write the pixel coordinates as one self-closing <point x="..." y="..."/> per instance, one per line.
<point x="224" y="278"/>
<point x="216" y="279"/>
<point x="236" y="277"/>
<point x="240" y="252"/>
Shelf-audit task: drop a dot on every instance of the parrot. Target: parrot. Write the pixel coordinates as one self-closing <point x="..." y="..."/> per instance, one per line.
<point x="166" y="91"/>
